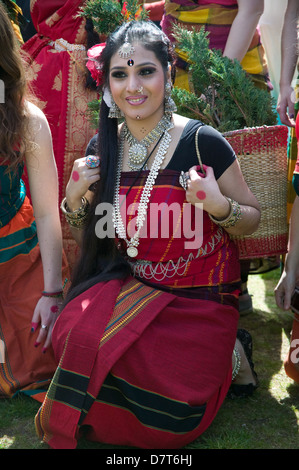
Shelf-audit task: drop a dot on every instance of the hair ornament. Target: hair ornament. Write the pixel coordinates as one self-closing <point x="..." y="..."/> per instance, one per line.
<point x="126" y="50"/>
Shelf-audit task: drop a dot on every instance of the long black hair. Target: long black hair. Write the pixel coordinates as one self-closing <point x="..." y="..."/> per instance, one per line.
<point x="100" y="259"/>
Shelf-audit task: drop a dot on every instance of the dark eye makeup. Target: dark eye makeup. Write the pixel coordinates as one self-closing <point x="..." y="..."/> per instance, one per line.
<point x="145" y="70"/>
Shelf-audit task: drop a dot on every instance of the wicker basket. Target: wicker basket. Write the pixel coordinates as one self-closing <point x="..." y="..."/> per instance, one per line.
<point x="262" y="153"/>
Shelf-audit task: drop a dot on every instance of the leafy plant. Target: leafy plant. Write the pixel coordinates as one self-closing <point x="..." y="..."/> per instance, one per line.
<point x="107" y="15"/>
<point x="222" y="93"/>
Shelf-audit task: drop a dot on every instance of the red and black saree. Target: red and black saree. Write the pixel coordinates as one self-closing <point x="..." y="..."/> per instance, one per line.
<point x="147" y="362"/>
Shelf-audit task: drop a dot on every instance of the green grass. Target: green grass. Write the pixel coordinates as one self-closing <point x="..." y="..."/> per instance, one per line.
<point x="267" y="420"/>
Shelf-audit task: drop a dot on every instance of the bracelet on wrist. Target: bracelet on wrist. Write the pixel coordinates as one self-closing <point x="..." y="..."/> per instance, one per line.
<point x="78" y="217"/>
<point x="233" y="216"/>
<point x="56" y="295"/>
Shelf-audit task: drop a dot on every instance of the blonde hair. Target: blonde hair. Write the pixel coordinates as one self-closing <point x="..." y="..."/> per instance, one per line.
<point x="14" y="137"/>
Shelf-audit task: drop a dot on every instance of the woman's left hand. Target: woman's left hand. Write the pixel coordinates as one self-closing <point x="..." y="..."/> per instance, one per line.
<point x="204" y="189"/>
<point x="44" y="317"/>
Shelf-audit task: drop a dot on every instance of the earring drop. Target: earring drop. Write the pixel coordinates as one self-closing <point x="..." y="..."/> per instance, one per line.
<point x="169" y="104"/>
<point x="114" y="111"/>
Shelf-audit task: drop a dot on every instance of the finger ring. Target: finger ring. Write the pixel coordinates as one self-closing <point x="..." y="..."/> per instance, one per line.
<point x="44" y="327"/>
<point x="92" y="161"/>
<point x="183" y="179"/>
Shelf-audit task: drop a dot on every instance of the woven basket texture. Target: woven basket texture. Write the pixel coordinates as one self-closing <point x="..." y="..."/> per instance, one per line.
<point x="262" y="154"/>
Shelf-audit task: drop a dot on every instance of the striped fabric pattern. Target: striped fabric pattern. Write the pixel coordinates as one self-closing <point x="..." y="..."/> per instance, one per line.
<point x="151" y="409"/>
<point x="217" y="21"/>
<point x="129" y="303"/>
<point x="18" y="243"/>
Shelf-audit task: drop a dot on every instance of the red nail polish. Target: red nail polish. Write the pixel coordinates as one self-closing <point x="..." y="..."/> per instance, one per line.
<point x="34" y="326"/>
<point x="44" y="350"/>
<point x="36" y="344"/>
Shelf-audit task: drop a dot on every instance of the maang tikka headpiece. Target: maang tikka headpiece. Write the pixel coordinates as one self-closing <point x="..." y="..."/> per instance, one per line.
<point x="126" y="50"/>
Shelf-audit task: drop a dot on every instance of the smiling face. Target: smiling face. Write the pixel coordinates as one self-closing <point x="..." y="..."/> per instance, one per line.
<point x="137" y="85"/>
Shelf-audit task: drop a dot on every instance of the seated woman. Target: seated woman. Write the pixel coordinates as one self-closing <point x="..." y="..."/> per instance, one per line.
<point x="147" y="341"/>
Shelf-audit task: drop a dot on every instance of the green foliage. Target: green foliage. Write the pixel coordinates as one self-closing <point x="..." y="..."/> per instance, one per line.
<point x="107" y="15"/>
<point x="223" y="94"/>
<point x="93" y="113"/>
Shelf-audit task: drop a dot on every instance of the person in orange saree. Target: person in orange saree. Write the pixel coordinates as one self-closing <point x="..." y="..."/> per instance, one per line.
<point x="58" y="78"/>
<point x="289" y="279"/>
<point x="288" y="111"/>
<point x="147" y="342"/>
<point x="31" y="273"/>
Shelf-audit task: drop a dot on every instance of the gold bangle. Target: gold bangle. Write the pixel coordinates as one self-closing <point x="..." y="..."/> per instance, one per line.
<point x="233" y="216"/>
<point x="76" y="218"/>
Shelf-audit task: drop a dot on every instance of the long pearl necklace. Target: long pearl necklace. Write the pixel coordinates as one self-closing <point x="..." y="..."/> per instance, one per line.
<point x="132" y="244"/>
<point x="138" y="149"/>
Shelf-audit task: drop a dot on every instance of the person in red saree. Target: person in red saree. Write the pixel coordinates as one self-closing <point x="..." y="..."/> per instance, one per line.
<point x="147" y="342"/>
<point x="57" y="58"/>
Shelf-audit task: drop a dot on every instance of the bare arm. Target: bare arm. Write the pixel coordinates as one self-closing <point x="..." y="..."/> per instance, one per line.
<point x="80" y="180"/>
<point x="231" y="184"/>
<point x="43" y="184"/>
<point x="290" y="275"/>
<point x="289" y="56"/>
<point x="243" y="28"/>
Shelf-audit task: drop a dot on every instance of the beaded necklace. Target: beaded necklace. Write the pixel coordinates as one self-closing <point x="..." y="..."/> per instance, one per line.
<point x="132" y="244"/>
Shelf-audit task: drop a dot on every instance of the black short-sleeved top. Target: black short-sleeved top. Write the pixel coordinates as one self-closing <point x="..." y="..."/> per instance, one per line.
<point x="214" y="149"/>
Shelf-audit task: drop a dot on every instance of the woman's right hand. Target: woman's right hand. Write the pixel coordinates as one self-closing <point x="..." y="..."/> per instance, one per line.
<point x="82" y="177"/>
<point x="284" y="290"/>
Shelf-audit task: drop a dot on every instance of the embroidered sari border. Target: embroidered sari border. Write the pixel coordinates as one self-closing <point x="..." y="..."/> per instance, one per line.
<point x="132" y="299"/>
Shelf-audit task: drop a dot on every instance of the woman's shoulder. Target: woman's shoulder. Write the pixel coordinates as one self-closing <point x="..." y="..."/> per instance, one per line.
<point x="34" y="111"/>
<point x="37" y="119"/>
<point x="190" y="125"/>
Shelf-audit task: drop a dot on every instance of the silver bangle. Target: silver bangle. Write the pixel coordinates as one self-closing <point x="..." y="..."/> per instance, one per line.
<point x="237" y="364"/>
<point x="233" y="216"/>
